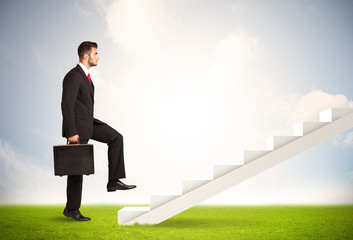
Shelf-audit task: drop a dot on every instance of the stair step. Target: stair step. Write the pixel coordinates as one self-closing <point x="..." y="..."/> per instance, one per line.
<point x="332" y="114"/>
<point x="275" y="142"/>
<point x="220" y="170"/>
<point x="189" y="185"/>
<point x="128" y="213"/>
<point x="249" y="156"/>
<point x="303" y="128"/>
<point x="160" y="199"/>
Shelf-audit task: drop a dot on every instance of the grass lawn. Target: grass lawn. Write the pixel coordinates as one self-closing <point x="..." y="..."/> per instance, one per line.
<point x="201" y="222"/>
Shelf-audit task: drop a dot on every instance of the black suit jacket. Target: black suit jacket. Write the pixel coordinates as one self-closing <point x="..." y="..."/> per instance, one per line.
<point x="77" y="105"/>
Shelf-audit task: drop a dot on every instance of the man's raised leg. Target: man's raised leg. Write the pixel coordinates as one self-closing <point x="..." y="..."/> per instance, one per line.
<point x="104" y="133"/>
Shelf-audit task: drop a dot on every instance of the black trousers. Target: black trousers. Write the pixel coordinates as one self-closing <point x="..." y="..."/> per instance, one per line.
<point x="106" y="134"/>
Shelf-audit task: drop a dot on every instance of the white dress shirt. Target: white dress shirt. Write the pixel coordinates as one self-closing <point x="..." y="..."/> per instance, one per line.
<point x="84" y="68"/>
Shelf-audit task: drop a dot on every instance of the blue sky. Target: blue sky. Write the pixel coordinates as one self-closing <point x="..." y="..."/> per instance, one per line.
<point x="188" y="83"/>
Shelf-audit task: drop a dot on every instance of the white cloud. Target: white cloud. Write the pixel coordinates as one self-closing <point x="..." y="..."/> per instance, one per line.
<point x="317" y="101"/>
<point x="23" y="181"/>
<point x="154" y="40"/>
<point x="137" y="25"/>
<point x="182" y="116"/>
<point x="255" y="104"/>
<point x="236" y="54"/>
<point x="344" y="140"/>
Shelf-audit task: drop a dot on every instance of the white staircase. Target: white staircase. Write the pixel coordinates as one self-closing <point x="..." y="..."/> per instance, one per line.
<point x="279" y="148"/>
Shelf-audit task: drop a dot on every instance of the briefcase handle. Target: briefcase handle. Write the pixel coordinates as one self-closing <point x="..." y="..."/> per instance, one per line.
<point x="67" y="141"/>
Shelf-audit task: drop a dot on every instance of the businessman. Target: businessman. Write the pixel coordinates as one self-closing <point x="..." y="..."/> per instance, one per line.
<point x="79" y="126"/>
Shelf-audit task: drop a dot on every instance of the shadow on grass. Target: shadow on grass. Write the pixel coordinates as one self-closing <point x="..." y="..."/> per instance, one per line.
<point x="60" y="219"/>
<point x="194" y="223"/>
<point x="63" y="220"/>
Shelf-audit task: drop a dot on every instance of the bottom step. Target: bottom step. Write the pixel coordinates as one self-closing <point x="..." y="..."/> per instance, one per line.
<point x="128" y="213"/>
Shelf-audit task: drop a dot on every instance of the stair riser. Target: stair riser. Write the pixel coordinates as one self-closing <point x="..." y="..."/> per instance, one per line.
<point x="305" y="128"/>
<point x="248" y="156"/>
<point x="276" y="142"/>
<point x="126" y="216"/>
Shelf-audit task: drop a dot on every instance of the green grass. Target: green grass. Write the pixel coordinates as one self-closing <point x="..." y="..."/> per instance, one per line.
<point x="202" y="222"/>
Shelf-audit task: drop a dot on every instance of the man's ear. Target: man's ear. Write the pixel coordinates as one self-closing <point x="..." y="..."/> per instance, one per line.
<point x="86" y="56"/>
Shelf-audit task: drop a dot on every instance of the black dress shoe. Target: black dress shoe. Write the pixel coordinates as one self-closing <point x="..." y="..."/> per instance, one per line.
<point x="118" y="185"/>
<point x="75" y="214"/>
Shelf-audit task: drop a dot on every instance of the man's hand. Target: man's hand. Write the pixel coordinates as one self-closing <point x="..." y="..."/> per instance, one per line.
<point x="74" y="139"/>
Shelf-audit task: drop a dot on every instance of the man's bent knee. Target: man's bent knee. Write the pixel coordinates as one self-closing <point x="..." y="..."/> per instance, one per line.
<point x="116" y="138"/>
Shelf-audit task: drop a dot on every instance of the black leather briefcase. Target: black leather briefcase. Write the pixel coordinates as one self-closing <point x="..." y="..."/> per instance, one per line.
<point x="73" y="159"/>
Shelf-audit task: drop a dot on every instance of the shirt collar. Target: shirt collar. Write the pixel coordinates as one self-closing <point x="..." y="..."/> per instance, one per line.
<point x="84" y="68"/>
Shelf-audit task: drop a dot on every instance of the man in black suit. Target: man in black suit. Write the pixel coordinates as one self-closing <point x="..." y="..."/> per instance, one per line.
<point x="79" y="126"/>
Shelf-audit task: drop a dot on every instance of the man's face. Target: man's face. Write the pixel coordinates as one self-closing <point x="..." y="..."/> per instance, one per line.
<point x="93" y="57"/>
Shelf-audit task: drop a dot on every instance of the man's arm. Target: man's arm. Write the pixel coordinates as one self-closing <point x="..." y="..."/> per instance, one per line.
<point x="70" y="91"/>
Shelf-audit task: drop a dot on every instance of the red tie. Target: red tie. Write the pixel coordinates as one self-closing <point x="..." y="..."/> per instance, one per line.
<point x="89" y="78"/>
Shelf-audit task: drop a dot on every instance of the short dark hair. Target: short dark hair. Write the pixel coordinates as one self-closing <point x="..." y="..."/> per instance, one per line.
<point x="86" y="47"/>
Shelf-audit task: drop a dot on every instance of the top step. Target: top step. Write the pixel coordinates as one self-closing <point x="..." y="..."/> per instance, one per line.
<point x="332" y="114"/>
